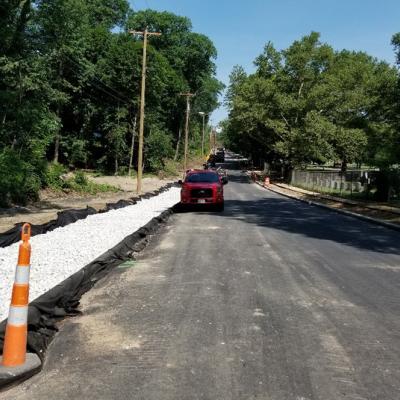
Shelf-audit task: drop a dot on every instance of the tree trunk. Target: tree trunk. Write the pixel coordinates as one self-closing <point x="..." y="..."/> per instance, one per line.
<point x="132" y="147"/>
<point x="24" y="11"/>
<point x="14" y="143"/>
<point x="58" y="136"/>
<point x="177" y="145"/>
<point x="56" y="148"/>
<point x="344" y="165"/>
<point x="298" y="97"/>
<point x="116" y="163"/>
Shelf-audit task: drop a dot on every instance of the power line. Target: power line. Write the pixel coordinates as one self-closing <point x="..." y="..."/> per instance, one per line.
<point x="102" y="89"/>
<point x="117" y="94"/>
<point x="117" y="97"/>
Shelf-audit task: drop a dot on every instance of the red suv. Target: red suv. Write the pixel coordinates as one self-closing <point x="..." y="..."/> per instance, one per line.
<point x="203" y="187"/>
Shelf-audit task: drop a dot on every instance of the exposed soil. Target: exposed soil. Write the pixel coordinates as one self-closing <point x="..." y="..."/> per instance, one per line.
<point x="52" y="202"/>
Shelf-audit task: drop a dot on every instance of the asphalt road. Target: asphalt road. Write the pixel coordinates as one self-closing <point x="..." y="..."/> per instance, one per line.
<point x="272" y="299"/>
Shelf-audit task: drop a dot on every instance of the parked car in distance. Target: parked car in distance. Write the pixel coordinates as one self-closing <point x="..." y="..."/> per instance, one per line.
<point x="220" y="155"/>
<point x="203" y="187"/>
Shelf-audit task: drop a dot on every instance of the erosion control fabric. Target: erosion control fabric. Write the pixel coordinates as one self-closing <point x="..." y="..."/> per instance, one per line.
<point x="63" y="299"/>
<point x="64" y="218"/>
<point x="58" y="254"/>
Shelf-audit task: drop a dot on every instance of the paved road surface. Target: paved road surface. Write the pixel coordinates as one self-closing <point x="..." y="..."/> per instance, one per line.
<point x="272" y="299"/>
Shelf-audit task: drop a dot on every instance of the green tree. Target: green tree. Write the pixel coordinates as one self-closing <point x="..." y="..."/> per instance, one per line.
<point x="308" y="103"/>
<point x="69" y="85"/>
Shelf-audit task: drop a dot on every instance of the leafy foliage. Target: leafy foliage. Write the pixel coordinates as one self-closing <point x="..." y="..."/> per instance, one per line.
<point x="159" y="148"/>
<point x="70" y="84"/>
<point x="310" y="103"/>
<point x="19" y="181"/>
<point x="54" y="174"/>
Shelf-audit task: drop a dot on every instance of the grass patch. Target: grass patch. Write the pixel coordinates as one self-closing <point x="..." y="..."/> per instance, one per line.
<point x="81" y="184"/>
<point x="128" y="264"/>
<point x="90" y="187"/>
<point x="58" y="180"/>
<point x="345" y="194"/>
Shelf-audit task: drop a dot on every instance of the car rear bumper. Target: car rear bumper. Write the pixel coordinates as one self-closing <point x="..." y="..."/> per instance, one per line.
<point x="202" y="201"/>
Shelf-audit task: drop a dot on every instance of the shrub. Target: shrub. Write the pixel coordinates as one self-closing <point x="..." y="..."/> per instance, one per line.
<point x="81" y="179"/>
<point x="54" y="176"/>
<point x="171" y="168"/>
<point x="19" y="180"/>
<point x="158" y="148"/>
<point x="122" y="170"/>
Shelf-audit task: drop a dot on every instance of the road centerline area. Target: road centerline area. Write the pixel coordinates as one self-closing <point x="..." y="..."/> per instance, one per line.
<point x="270" y="299"/>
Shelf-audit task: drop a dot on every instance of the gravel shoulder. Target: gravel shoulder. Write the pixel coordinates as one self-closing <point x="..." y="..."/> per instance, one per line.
<point x="51" y="203"/>
<point x="58" y="254"/>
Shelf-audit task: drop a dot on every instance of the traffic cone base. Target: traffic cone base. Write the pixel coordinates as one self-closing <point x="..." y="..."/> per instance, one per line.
<point x="11" y="375"/>
<point x="14" y="351"/>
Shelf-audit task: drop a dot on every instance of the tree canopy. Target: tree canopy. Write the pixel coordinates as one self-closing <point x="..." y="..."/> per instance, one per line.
<point x="70" y="76"/>
<point x="312" y="104"/>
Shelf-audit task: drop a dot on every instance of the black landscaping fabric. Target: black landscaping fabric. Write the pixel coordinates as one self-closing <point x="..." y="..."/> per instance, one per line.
<point x="69" y="216"/>
<point x="63" y="299"/>
<point x="63" y="218"/>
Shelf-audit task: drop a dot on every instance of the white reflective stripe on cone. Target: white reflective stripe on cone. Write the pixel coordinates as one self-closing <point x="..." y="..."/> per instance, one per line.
<point x="22" y="275"/>
<point x="18" y="315"/>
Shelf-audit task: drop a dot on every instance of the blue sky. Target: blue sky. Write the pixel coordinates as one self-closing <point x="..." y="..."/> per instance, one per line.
<point x="240" y="28"/>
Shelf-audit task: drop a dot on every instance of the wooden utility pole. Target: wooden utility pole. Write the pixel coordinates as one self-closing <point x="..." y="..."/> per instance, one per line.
<point x="188" y="96"/>
<point x="145" y="34"/>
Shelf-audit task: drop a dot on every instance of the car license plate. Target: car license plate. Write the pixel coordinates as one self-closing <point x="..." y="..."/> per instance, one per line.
<point x="201" y="201"/>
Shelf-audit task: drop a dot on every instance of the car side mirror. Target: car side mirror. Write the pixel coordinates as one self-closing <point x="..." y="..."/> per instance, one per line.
<point x="180" y="182"/>
<point x="224" y="180"/>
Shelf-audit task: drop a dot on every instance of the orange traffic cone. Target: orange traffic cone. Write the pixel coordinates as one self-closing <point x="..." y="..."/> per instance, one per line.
<point x="14" y="351"/>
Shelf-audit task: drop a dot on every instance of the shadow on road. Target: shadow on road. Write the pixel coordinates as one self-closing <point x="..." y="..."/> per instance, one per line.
<point x="300" y="218"/>
<point x="277" y="212"/>
<point x="239" y="178"/>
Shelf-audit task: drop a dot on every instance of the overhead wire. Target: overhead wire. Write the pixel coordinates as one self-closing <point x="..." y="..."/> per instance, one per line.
<point x="117" y="95"/>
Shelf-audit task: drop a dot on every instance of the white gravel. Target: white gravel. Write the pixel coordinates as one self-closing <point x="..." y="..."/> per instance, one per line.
<point x="58" y="254"/>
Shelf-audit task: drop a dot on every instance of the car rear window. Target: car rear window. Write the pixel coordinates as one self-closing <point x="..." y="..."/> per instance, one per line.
<point x="203" y="177"/>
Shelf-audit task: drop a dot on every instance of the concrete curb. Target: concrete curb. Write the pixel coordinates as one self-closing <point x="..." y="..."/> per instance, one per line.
<point x="345" y="212"/>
